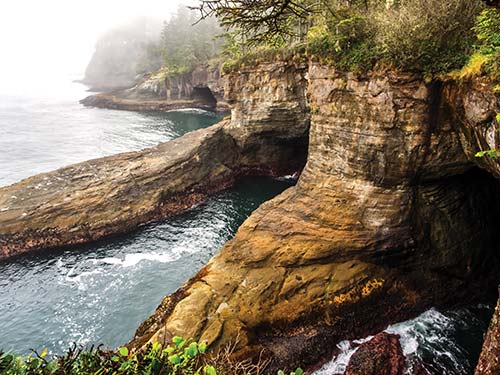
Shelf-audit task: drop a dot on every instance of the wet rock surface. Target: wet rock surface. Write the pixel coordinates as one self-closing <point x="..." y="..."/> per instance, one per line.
<point x="382" y="355"/>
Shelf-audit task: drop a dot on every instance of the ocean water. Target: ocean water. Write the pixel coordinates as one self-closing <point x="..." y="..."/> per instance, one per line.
<point x="100" y="293"/>
<point x="46" y="129"/>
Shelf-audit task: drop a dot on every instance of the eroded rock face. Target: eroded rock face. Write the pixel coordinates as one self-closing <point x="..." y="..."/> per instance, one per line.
<point x="382" y="355"/>
<point x="160" y="92"/>
<point x="386" y="212"/>
<point x="90" y="200"/>
<point x="270" y="112"/>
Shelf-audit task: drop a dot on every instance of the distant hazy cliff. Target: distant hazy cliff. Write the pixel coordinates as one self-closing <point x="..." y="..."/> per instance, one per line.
<point x="118" y="52"/>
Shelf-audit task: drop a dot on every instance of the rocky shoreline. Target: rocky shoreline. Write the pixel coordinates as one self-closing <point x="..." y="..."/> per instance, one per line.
<point x="111" y="101"/>
<point x="389" y="217"/>
<point x="116" y="194"/>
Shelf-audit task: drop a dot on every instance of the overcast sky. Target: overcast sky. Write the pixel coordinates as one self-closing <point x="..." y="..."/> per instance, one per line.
<point x="57" y="37"/>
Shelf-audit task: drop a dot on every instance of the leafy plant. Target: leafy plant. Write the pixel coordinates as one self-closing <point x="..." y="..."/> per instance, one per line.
<point x="493" y="154"/>
<point x="184" y="357"/>
<point x="486" y="58"/>
<point x="298" y="371"/>
<point x="487" y="29"/>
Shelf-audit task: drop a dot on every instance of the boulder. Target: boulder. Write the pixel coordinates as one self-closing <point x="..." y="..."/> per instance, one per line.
<point x="382" y="355"/>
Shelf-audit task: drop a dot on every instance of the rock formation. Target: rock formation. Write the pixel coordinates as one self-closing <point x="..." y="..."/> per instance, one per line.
<point x="382" y="355"/>
<point x="202" y="88"/>
<point x="489" y="361"/>
<point x="387" y="211"/>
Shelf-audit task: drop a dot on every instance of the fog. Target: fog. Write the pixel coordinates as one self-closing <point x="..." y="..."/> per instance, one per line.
<point x="45" y="41"/>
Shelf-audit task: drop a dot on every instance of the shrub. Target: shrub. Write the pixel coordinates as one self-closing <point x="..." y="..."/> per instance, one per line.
<point x="183" y="357"/>
<point x="432" y="36"/>
<point x="347" y="42"/>
<point x="487" y="29"/>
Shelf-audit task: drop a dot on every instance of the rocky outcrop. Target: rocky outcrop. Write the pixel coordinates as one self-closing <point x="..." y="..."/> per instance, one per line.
<point x="270" y="112"/>
<point x="90" y="200"/>
<point x="202" y="88"/>
<point x="388" y="218"/>
<point x="101" y="197"/>
<point x="475" y="106"/>
<point x="111" y="101"/>
<point x="382" y="355"/>
<point x="489" y="361"/>
<point x="386" y="212"/>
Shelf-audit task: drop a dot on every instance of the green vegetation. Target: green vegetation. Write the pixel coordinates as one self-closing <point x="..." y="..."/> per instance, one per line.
<point x="183" y="357"/>
<point x="432" y="37"/>
<point x="487" y="30"/>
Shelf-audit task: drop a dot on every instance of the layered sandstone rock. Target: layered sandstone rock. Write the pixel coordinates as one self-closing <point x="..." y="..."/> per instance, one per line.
<point x="90" y="200"/>
<point x="202" y="88"/>
<point x="112" y="101"/>
<point x="270" y="112"/>
<point x="389" y="216"/>
<point x="474" y="107"/>
<point x="101" y="197"/>
<point x="386" y="213"/>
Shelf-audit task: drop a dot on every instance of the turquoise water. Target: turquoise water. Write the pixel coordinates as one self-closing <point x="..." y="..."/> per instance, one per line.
<point x="43" y="131"/>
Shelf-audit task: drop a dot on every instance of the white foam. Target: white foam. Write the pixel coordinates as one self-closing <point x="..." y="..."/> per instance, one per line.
<point x="339" y="363"/>
<point x="193" y="111"/>
<point x="134" y="259"/>
<point x="431" y="329"/>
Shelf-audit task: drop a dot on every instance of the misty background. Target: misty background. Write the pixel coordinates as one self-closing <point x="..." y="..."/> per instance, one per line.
<point x="47" y="43"/>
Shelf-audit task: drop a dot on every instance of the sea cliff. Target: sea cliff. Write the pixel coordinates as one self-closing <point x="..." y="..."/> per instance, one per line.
<point x="392" y="213"/>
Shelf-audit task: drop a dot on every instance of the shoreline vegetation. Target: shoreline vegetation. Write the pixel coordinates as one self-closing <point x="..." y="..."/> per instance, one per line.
<point x="182" y="357"/>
